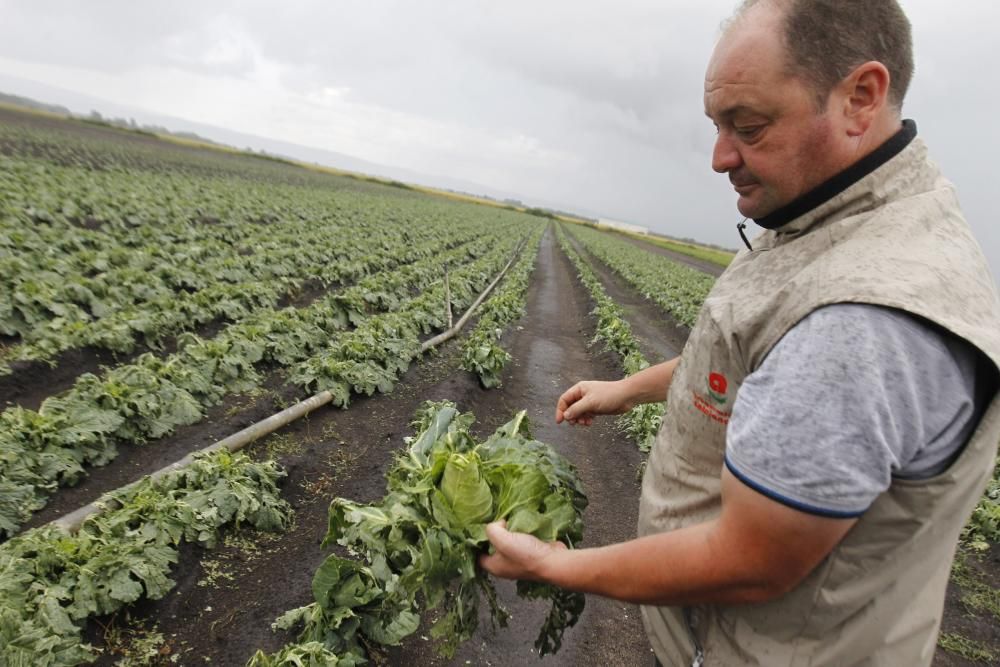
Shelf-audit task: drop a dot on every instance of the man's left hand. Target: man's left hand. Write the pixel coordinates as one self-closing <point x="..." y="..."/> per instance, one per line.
<point x="518" y="555"/>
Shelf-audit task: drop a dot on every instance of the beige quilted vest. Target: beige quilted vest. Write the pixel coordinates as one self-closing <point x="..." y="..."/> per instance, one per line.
<point x="895" y="238"/>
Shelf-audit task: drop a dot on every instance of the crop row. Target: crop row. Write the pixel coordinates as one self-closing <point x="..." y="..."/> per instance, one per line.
<point x="64" y="286"/>
<point x="146" y="399"/>
<point x="169" y="313"/>
<point x="51" y="582"/>
<point x="481" y="352"/>
<point x="676" y="288"/>
<point x="375" y="354"/>
<point x="415" y="265"/>
<point x="642" y="422"/>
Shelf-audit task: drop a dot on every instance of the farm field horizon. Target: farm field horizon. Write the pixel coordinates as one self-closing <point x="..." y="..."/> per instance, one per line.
<point x="162" y="296"/>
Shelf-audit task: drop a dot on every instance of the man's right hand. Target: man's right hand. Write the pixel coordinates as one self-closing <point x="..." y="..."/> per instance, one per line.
<point x="586" y="400"/>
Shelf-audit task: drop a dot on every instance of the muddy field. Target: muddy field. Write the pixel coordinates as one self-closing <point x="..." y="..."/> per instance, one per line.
<point x="225" y="600"/>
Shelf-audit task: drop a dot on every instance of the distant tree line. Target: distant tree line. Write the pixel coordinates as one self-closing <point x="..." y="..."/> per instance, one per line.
<point x="130" y="124"/>
<point x="18" y="101"/>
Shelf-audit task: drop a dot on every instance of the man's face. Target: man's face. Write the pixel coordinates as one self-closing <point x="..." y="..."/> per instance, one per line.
<point x="773" y="142"/>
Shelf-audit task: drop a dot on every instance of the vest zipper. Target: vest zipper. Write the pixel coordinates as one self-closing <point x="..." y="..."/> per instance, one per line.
<point x="699" y="656"/>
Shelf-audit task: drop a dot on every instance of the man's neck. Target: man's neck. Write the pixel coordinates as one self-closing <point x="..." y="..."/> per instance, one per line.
<point x="881" y="131"/>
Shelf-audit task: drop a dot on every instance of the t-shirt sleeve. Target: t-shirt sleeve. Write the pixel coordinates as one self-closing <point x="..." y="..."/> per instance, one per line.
<point x="850" y="397"/>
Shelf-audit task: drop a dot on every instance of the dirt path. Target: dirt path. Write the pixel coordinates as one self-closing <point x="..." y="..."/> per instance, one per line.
<point x="550" y="354"/>
<point x="660" y="337"/>
<point x="702" y="265"/>
<point x="346" y="453"/>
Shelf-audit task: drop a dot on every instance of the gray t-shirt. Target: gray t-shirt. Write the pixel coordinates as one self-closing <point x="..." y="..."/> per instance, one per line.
<point x="851" y="397"/>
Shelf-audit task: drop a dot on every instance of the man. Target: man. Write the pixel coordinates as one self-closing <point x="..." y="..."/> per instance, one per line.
<point x="833" y="418"/>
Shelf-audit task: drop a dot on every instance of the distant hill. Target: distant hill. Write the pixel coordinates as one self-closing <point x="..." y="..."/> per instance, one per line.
<point x="96" y="117"/>
<point x="18" y="101"/>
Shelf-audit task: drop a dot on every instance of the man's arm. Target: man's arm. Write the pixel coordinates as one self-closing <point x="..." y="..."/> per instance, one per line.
<point x="757" y="550"/>
<point x="586" y="400"/>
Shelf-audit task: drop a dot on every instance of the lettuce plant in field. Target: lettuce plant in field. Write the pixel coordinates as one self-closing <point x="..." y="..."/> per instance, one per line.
<point x="52" y="582"/>
<point x="482" y="353"/>
<point x="483" y="356"/>
<point x="417" y="548"/>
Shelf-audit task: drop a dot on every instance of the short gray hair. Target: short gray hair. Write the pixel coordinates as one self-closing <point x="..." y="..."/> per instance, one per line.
<point x="826" y="39"/>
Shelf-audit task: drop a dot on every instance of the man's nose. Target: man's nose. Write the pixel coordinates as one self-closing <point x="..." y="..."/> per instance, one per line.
<point x="725" y="156"/>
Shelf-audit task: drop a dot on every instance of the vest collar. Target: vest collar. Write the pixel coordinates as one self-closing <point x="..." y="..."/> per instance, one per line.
<point x="801" y="213"/>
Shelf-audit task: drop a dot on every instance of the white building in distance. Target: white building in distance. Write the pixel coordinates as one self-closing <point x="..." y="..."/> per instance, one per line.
<point x="622" y="226"/>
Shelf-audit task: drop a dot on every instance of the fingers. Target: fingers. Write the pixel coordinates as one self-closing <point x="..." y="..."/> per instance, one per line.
<point x="497" y="531"/>
<point x="492" y="563"/>
<point x="581" y="412"/>
<point x="497" y="563"/>
<point x="569" y="397"/>
<point x="574" y="406"/>
<point x="517" y="555"/>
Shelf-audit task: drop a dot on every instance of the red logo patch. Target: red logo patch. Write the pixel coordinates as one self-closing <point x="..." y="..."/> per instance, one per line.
<point x="717" y="383"/>
<point x="712" y="406"/>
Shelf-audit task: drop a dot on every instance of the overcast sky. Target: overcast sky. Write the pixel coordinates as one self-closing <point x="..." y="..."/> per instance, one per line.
<point x="593" y="105"/>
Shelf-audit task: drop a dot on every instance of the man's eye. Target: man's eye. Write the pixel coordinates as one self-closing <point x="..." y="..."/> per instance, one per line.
<point x="747" y="132"/>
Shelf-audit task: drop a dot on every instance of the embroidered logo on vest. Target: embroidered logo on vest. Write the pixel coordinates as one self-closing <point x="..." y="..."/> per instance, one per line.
<point x="711" y="404"/>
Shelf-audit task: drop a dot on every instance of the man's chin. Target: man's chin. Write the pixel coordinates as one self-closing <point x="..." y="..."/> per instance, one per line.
<point x="753" y="208"/>
<point x="748" y="208"/>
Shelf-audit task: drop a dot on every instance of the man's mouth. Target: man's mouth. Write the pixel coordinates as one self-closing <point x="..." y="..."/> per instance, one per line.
<point x="742" y="183"/>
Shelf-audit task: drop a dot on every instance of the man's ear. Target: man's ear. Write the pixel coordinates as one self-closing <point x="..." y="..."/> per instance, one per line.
<point x="864" y="94"/>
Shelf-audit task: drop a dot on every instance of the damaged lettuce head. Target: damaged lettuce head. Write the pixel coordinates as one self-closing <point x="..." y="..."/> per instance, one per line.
<point x="418" y="547"/>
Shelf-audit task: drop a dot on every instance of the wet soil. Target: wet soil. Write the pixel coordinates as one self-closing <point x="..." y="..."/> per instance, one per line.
<point x="550" y="354"/>
<point x="660" y="336"/>
<point x="346" y="453"/>
<point x="963" y="618"/>
<point x="310" y="290"/>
